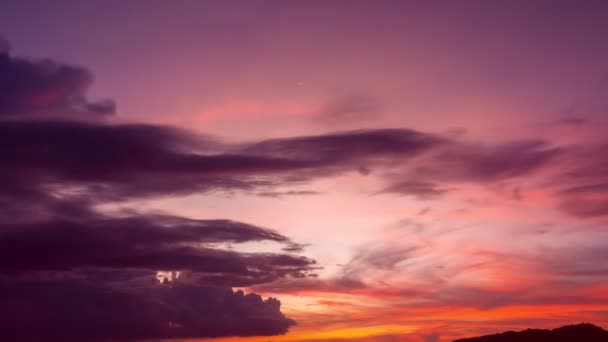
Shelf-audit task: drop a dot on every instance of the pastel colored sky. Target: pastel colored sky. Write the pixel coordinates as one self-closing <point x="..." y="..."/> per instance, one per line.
<point x="388" y="170"/>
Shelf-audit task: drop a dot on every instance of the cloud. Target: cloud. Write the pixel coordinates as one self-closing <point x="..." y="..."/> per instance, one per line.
<point x="38" y="88"/>
<point x="581" y="185"/>
<point x="151" y="243"/>
<point x="119" y="161"/>
<point x="70" y="273"/>
<point x="586" y="208"/>
<point x="87" y="310"/>
<point x="348" y="148"/>
<point x="478" y="162"/>
<point x="358" y="276"/>
<point x="102" y="162"/>
<point x="85" y="276"/>
<point x="450" y="165"/>
<point x="93" y="277"/>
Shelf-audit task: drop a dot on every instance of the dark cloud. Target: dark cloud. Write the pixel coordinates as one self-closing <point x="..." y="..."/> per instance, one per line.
<point x="87" y="310"/>
<point x="93" y="152"/>
<point x="70" y="273"/>
<point x="340" y="152"/>
<point x="94" y="278"/>
<point x="152" y="243"/>
<point x="45" y="88"/>
<point x="94" y="162"/>
<point x="118" y="162"/>
<point x="348" y="148"/>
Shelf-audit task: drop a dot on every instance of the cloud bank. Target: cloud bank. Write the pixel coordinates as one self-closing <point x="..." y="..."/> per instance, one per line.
<point x="63" y="261"/>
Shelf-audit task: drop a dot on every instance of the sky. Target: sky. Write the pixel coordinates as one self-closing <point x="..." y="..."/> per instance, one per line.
<point x="311" y="171"/>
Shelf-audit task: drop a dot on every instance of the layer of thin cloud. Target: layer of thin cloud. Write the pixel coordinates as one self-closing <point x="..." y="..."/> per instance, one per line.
<point x="349" y="110"/>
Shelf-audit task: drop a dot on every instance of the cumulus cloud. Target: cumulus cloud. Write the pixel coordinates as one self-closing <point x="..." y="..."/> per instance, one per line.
<point x="95" y="278"/>
<point x="85" y="310"/>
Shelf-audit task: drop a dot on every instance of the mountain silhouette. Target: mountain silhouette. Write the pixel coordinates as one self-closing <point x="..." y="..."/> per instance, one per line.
<point x="583" y="332"/>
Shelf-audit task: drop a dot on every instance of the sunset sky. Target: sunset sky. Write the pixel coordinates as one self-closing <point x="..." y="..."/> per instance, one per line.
<point x="415" y="171"/>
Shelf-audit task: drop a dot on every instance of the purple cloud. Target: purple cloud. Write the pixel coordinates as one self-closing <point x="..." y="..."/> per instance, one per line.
<point x="45" y="88"/>
<point x="83" y="309"/>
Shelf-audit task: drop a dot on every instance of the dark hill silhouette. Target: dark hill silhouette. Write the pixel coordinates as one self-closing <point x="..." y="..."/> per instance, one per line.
<point x="583" y="332"/>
